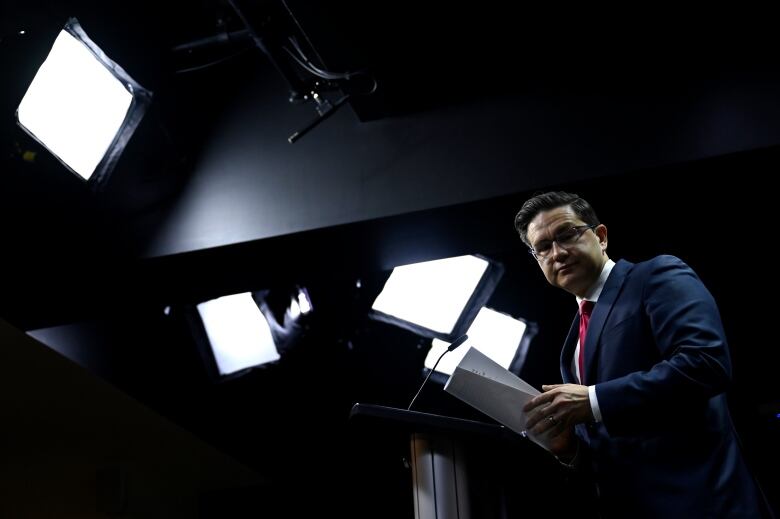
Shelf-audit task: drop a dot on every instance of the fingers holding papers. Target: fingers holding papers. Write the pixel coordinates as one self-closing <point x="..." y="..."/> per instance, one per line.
<point x="559" y="407"/>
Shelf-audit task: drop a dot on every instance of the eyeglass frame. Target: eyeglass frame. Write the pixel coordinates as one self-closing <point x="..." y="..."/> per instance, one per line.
<point x="580" y="229"/>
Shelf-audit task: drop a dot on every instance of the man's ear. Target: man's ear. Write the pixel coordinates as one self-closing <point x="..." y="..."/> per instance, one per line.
<point x="601" y="232"/>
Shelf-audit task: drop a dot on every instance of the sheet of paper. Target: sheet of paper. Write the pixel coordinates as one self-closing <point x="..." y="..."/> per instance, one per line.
<point x="488" y="387"/>
<point x="477" y="362"/>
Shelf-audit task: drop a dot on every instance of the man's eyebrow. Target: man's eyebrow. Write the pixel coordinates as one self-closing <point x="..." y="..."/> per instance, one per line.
<point x="553" y="234"/>
<point x="564" y="226"/>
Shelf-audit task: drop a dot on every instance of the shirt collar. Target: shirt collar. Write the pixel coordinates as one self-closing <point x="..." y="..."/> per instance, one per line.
<point x="595" y="291"/>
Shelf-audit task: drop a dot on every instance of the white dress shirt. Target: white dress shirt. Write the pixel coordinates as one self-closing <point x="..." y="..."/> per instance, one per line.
<point x="592" y="295"/>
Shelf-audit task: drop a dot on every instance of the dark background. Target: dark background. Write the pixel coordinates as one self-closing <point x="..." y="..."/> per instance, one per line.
<point x="670" y="130"/>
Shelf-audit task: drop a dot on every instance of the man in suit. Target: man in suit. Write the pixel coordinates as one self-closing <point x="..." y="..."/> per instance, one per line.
<point x="643" y="404"/>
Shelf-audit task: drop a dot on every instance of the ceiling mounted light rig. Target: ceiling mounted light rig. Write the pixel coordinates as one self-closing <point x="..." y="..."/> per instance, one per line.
<point x="293" y="55"/>
<point x="276" y="32"/>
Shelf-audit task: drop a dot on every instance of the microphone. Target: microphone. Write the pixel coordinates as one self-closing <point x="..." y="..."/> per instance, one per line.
<point x="457" y="342"/>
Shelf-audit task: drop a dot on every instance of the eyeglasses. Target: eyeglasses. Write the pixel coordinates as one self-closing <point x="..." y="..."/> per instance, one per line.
<point x="564" y="239"/>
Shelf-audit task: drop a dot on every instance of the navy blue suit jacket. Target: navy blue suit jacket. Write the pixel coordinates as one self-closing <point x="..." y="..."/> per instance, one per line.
<point x="657" y="354"/>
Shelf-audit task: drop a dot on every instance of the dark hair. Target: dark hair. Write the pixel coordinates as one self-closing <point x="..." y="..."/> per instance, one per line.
<point x="552" y="200"/>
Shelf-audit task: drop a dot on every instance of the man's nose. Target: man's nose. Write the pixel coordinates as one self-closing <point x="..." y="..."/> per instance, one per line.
<point x="557" y="250"/>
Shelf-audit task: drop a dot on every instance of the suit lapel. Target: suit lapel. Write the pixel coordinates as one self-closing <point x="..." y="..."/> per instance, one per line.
<point x="601" y="311"/>
<point x="568" y="351"/>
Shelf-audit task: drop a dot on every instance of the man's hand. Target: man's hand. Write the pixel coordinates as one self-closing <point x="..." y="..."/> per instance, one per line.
<point x="563" y="445"/>
<point x="558" y="409"/>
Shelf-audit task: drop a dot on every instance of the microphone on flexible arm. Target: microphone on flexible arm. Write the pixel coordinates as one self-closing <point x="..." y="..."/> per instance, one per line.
<point x="457" y="342"/>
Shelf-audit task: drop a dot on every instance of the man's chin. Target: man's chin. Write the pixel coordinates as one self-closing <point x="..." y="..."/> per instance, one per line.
<point x="570" y="285"/>
<point x="566" y="277"/>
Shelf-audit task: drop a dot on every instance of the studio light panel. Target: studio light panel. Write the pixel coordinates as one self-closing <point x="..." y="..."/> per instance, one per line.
<point x="239" y="333"/>
<point x="495" y="334"/>
<point x="81" y="105"/>
<point x="432" y="294"/>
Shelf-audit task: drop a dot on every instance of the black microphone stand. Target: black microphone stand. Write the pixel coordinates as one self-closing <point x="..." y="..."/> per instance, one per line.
<point x="457" y="342"/>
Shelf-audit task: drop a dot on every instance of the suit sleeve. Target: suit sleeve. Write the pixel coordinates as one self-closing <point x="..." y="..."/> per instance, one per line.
<point x="686" y="329"/>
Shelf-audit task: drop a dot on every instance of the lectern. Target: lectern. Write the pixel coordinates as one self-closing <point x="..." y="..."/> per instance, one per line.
<point x="442" y="454"/>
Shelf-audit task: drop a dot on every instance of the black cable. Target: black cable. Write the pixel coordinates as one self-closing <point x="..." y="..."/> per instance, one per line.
<point x="304" y="62"/>
<point x="300" y="29"/>
<point x="212" y="63"/>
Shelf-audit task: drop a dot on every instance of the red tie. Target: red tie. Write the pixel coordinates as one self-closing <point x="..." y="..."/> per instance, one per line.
<point x="586" y="307"/>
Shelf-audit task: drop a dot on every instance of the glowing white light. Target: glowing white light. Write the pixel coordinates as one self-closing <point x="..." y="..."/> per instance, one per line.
<point x="74" y="105"/>
<point x="495" y="334"/>
<point x="304" y="302"/>
<point x="239" y="334"/>
<point x="300" y="304"/>
<point x="431" y="294"/>
<point x="295" y="308"/>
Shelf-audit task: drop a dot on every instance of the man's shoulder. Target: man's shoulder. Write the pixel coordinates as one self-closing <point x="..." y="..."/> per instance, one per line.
<point x="663" y="261"/>
<point x="663" y="265"/>
<point x="661" y="269"/>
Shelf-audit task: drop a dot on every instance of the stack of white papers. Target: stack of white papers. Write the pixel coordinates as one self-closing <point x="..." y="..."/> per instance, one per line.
<point x="500" y="394"/>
